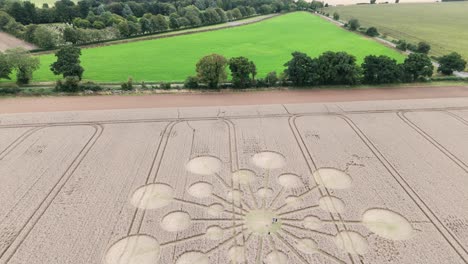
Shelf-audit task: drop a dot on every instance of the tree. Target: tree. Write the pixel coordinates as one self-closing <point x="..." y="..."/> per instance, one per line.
<point x="70" y="35"/>
<point x="211" y="16"/>
<point x="68" y="62"/>
<point x="127" y="11"/>
<point x="124" y="29"/>
<point x="266" y="9"/>
<point x="372" y="2"/>
<point x="45" y="38"/>
<point x="380" y="69"/>
<point x="450" y="63"/>
<point x="338" y="68"/>
<point x="211" y="70"/>
<point x="423" y="47"/>
<point x="372" y="32"/>
<point x="174" y="21"/>
<point x="417" y="66"/>
<point x="336" y="16"/>
<point x="301" y="69"/>
<point x="271" y="79"/>
<point x="5" y="66"/>
<point x="159" y="23"/>
<point x="236" y="14"/>
<point x="402" y="45"/>
<point x="353" y="24"/>
<point x="241" y="70"/>
<point x="23" y="63"/>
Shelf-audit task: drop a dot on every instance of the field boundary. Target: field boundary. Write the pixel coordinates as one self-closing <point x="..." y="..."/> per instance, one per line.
<point x="173" y="33"/>
<point x="388" y="44"/>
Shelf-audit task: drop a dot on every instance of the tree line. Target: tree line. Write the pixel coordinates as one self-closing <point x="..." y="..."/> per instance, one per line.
<point x="330" y="68"/>
<point x="98" y="20"/>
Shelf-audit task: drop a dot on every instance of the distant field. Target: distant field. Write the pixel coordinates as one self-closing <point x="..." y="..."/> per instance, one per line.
<point x="269" y="44"/>
<point x="443" y="25"/>
<point x="39" y="3"/>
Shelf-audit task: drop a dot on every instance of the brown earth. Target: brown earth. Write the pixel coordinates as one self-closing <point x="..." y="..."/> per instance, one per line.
<point x="8" y="41"/>
<point x="76" y="103"/>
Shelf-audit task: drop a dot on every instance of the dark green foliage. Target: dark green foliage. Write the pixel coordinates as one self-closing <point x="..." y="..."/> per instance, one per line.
<point x="159" y="23"/>
<point x="271" y="79"/>
<point x="211" y="70"/>
<point x="372" y="32"/>
<point x="417" y="66"/>
<point x="423" y="47"/>
<point x="128" y="85"/>
<point x="191" y="82"/>
<point x="165" y="85"/>
<point x="173" y="21"/>
<point x="243" y="72"/>
<point x="412" y="47"/>
<point x="5" y="66"/>
<point x="338" y="68"/>
<point x="380" y="69"/>
<point x="402" y="45"/>
<point x="20" y="61"/>
<point x="71" y="84"/>
<point x="301" y="70"/>
<point x="450" y="63"/>
<point x="68" y="62"/>
<point x="9" y="90"/>
<point x="336" y="16"/>
<point x="353" y="24"/>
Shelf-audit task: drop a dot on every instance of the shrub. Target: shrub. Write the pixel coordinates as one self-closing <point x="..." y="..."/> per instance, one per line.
<point x="127" y="86"/>
<point x="165" y="86"/>
<point x="9" y="90"/>
<point x="69" y="84"/>
<point x="372" y="32"/>
<point x="271" y="79"/>
<point x="91" y="87"/>
<point x="353" y="24"/>
<point x="423" y="47"/>
<point x="402" y="45"/>
<point x="450" y="63"/>
<point x="191" y="82"/>
<point x="261" y="83"/>
<point x="412" y="47"/>
<point x="336" y="16"/>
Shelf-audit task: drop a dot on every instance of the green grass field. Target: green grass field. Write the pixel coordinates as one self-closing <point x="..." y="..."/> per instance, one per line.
<point x="443" y="25"/>
<point x="269" y="44"/>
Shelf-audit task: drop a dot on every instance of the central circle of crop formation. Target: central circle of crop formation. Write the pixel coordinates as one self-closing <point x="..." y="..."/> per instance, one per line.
<point x="262" y="222"/>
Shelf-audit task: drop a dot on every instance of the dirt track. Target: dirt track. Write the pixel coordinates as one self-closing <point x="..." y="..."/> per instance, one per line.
<point x="75" y="103"/>
<point x="7" y="41"/>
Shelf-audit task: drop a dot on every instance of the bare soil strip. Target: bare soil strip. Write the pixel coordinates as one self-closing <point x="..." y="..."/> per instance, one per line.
<point x="77" y="103"/>
<point x="8" y="41"/>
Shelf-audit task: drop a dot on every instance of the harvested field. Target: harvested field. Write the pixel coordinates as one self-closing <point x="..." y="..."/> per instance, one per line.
<point x="8" y="41"/>
<point x="350" y="182"/>
<point x="442" y="25"/>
